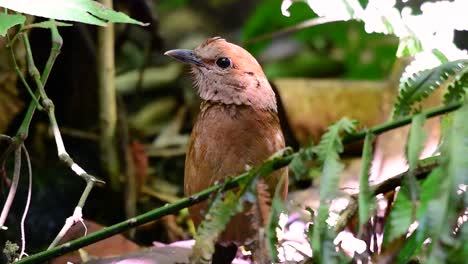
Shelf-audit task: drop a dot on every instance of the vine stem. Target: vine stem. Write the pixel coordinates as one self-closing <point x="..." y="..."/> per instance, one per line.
<point x="48" y="106"/>
<point x="267" y="167"/>
<point x="12" y="191"/>
<point x="22" y="133"/>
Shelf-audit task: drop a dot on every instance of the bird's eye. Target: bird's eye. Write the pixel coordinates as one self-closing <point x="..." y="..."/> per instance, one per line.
<point x="223" y="62"/>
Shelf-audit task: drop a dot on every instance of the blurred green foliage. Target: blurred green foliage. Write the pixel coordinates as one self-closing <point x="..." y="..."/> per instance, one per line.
<point x="343" y="45"/>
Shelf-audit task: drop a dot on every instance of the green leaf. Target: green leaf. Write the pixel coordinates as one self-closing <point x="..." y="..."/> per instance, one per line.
<point x="366" y="201"/>
<point x="417" y="137"/>
<point x="421" y="85"/>
<point x="298" y="166"/>
<point x="224" y="206"/>
<point x="458" y="151"/>
<point x="85" y="11"/>
<point x="443" y="209"/>
<point x="440" y="56"/>
<point x="277" y="207"/>
<point x="414" y="147"/>
<point x="429" y="190"/>
<point x="459" y="254"/>
<point x="328" y="154"/>
<point x="400" y="217"/>
<point x="8" y="21"/>
<point x="457" y="89"/>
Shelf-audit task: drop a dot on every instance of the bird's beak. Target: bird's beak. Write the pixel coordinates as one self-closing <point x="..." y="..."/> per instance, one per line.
<point x="185" y="56"/>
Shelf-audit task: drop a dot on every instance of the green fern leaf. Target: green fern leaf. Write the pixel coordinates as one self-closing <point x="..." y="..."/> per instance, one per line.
<point x="416" y="139"/>
<point x="430" y="189"/>
<point x="456" y="90"/>
<point x="328" y="154"/>
<point x="224" y="206"/>
<point x="366" y="199"/>
<point x="400" y="217"/>
<point x="442" y="212"/>
<point x="298" y="165"/>
<point x="421" y="85"/>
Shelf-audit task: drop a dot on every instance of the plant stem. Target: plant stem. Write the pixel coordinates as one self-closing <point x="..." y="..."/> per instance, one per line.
<point x="108" y="102"/>
<point x="13" y="188"/>
<point x="48" y="106"/>
<point x="380" y="129"/>
<point x="23" y="130"/>
<point x="20" y="73"/>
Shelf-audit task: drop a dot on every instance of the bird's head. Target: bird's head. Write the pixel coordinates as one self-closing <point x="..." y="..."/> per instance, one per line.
<point x="228" y="74"/>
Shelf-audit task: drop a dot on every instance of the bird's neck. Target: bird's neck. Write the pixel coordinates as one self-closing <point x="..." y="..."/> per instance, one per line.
<point x="233" y="110"/>
<point x="256" y="94"/>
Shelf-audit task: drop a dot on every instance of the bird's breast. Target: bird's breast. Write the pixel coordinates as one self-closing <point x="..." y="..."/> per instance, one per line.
<point x="227" y="139"/>
<point x="225" y="142"/>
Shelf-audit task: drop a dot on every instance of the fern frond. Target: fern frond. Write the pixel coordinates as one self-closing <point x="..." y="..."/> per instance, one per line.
<point x="366" y="199"/>
<point x="224" y="206"/>
<point x="456" y="90"/>
<point x="328" y="151"/>
<point x="400" y="217"/>
<point x="419" y="86"/>
<point x="442" y="211"/>
<point x="330" y="143"/>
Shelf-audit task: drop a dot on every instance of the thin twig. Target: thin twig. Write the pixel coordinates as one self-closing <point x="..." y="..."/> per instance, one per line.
<point x="12" y="191"/>
<point x="50" y="109"/>
<point x="28" y="202"/>
<point x="48" y="106"/>
<point x="18" y="71"/>
<point x="380" y="129"/>
<point x="306" y="24"/>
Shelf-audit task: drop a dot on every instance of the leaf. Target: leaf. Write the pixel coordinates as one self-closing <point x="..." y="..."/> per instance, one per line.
<point x="400" y="217"/>
<point x="458" y="151"/>
<point x="85" y="11"/>
<point x="414" y="147"/>
<point x="328" y="153"/>
<point x="277" y="207"/>
<point x="224" y="206"/>
<point x="417" y="137"/>
<point x="8" y="21"/>
<point x="442" y="210"/>
<point x="457" y="89"/>
<point x="429" y="190"/>
<point x="330" y="143"/>
<point x="460" y="253"/>
<point x="298" y="166"/>
<point x="421" y="85"/>
<point x="366" y="199"/>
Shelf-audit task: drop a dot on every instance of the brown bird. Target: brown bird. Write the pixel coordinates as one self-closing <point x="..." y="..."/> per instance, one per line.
<point x="237" y="128"/>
